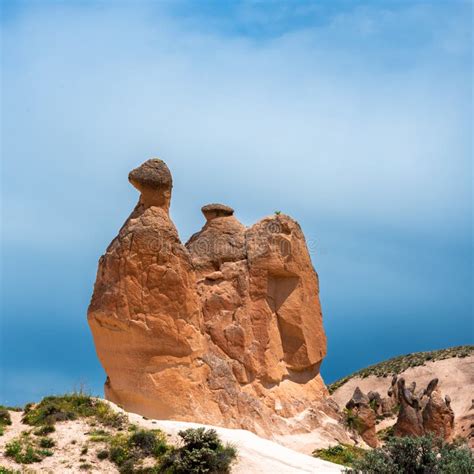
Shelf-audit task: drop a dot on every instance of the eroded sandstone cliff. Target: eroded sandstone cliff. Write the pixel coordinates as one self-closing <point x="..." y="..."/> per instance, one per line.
<point x="225" y="330"/>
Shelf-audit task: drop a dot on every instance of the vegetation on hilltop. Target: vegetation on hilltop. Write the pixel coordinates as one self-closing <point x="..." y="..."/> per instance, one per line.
<point x="71" y="407"/>
<point x="401" y="363"/>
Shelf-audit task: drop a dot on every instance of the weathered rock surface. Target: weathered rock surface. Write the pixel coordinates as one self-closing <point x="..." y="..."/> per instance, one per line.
<point x="363" y="416"/>
<point x="226" y="330"/>
<point x="424" y="413"/>
<point x="409" y="421"/>
<point x="438" y="416"/>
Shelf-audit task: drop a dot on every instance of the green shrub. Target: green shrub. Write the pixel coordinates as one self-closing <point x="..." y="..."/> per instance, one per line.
<point x="144" y="440"/>
<point x="149" y="442"/>
<point x="45" y="452"/>
<point x="5" y="418"/>
<point x="127" y="450"/>
<point x="415" y="455"/>
<point x="44" y="430"/>
<point x="9" y="408"/>
<point x="119" y="450"/>
<point x="104" y="454"/>
<point x="13" y="449"/>
<point x="46" y="443"/>
<point x="25" y="450"/>
<point x="385" y="434"/>
<point x="5" y="470"/>
<point x="70" y="407"/>
<point x="352" y="420"/>
<point x="202" y="452"/>
<point x="22" y="451"/>
<point x="340" y="454"/>
<point x="456" y="459"/>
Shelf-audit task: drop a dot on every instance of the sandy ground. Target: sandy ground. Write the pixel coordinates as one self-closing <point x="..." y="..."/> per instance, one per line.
<point x="70" y="438"/>
<point x="255" y="454"/>
<point x="456" y="379"/>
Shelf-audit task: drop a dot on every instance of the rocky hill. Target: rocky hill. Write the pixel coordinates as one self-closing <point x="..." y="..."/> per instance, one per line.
<point x="453" y="368"/>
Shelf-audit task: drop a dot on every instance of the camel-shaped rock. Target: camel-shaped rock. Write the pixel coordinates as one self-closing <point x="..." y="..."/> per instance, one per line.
<point x="226" y="330"/>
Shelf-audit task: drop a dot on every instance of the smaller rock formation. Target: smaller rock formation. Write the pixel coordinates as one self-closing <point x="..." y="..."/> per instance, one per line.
<point x="427" y="412"/>
<point x="375" y="401"/>
<point x="438" y="416"/>
<point x="410" y="421"/>
<point x="362" y="417"/>
<point x="390" y="402"/>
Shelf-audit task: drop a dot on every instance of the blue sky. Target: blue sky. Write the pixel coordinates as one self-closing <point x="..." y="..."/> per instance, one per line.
<point x="353" y="117"/>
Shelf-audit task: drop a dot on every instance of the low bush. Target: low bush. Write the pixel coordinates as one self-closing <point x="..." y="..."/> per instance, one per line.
<point x="5" y="470"/>
<point x="5" y="419"/>
<point x="46" y="443"/>
<point x="99" y="436"/>
<point x="201" y="452"/>
<point x="44" y="430"/>
<point x="85" y="466"/>
<point x="385" y="434"/>
<point x="352" y="420"/>
<point x="24" y="451"/>
<point x="340" y="454"/>
<point x="149" y="442"/>
<point x="9" y="408"/>
<point x="416" y="455"/>
<point x="104" y="454"/>
<point x="127" y="451"/>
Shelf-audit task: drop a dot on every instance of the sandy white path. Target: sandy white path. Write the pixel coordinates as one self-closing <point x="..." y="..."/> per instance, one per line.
<point x="256" y="455"/>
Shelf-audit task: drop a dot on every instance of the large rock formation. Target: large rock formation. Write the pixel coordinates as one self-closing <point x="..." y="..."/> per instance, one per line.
<point x="226" y="330"/>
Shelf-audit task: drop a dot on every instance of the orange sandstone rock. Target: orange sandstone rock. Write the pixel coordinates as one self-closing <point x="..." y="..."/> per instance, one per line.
<point x="226" y="330"/>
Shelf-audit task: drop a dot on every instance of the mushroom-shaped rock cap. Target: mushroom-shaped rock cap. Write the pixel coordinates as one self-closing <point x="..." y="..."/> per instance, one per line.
<point x="211" y="211"/>
<point x="153" y="179"/>
<point x="152" y="174"/>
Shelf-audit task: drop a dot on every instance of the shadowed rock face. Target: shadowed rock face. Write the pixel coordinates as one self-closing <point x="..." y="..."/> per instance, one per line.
<point x="425" y="413"/>
<point x="226" y="330"/>
<point x="365" y="416"/>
